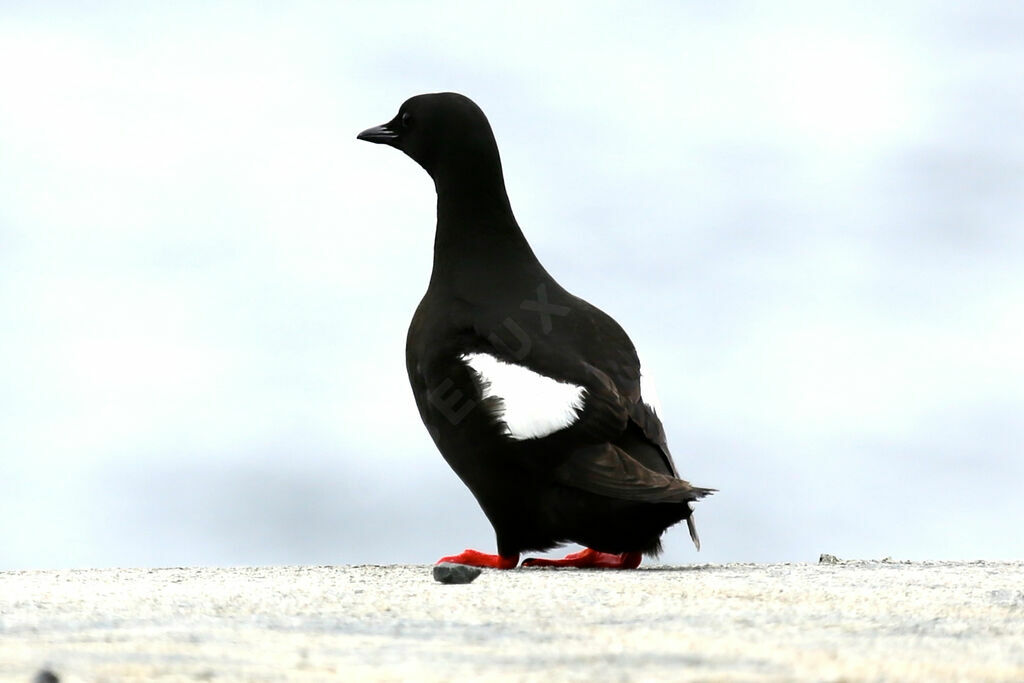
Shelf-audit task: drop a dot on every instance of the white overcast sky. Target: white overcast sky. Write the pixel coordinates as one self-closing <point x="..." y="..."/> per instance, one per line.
<point x="810" y="220"/>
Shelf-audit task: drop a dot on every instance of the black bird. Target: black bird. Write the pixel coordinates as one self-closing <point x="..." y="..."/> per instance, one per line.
<point x="531" y="394"/>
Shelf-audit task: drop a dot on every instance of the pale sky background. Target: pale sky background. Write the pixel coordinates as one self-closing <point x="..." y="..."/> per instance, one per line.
<point x="810" y="221"/>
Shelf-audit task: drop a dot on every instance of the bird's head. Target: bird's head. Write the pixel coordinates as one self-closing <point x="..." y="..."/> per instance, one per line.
<point x="443" y="132"/>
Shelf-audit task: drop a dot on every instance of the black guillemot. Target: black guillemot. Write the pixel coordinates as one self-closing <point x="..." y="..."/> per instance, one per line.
<point x="533" y="396"/>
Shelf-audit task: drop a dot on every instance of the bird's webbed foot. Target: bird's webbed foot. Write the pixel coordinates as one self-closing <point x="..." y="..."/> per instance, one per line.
<point x="589" y="559"/>
<point x="475" y="558"/>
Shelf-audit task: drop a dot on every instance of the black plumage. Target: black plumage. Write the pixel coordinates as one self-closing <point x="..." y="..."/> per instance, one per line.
<point x="600" y="474"/>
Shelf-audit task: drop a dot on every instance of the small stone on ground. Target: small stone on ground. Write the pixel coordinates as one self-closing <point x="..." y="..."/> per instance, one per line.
<point x="449" y="572"/>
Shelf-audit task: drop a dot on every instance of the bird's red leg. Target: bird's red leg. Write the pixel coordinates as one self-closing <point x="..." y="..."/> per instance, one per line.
<point x="589" y="559"/>
<point x="476" y="558"/>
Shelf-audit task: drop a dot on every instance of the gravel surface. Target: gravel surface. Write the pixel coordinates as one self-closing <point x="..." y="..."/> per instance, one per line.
<point x="847" y="621"/>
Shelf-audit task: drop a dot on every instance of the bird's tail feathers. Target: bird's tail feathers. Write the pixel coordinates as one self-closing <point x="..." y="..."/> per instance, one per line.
<point x="694" y="536"/>
<point x="691" y="524"/>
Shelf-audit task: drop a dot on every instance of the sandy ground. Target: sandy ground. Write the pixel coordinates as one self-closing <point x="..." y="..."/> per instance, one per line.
<point x="851" y="621"/>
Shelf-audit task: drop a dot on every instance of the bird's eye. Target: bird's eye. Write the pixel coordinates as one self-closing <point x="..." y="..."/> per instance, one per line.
<point x="406" y="120"/>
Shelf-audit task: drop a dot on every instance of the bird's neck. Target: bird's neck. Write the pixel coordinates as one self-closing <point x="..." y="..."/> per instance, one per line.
<point x="478" y="241"/>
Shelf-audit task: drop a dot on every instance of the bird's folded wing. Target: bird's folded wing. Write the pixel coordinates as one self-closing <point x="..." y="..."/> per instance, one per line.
<point x="608" y="471"/>
<point x="604" y="411"/>
<point x="649" y="424"/>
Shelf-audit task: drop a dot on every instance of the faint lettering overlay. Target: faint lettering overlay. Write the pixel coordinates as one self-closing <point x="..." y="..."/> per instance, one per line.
<point x="451" y="401"/>
<point x="544" y="309"/>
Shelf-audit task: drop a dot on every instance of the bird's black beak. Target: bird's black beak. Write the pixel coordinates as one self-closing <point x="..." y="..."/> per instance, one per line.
<point x="382" y="135"/>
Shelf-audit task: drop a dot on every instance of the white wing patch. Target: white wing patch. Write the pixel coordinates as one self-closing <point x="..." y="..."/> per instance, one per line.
<point x="532" y="405"/>
<point x="648" y="392"/>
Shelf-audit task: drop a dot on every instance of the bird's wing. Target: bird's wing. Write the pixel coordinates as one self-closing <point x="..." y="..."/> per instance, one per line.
<point x="602" y="341"/>
<point x="609" y="471"/>
<point x="645" y="439"/>
<point x="574" y="343"/>
<point x="547" y="394"/>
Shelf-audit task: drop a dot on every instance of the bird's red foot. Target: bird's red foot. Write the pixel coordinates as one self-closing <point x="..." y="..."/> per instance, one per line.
<point x="589" y="559"/>
<point x="476" y="558"/>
